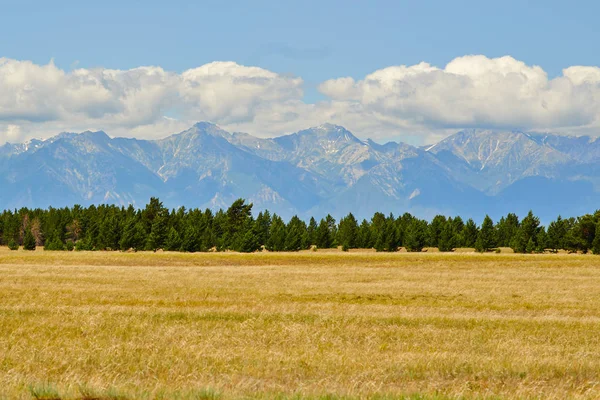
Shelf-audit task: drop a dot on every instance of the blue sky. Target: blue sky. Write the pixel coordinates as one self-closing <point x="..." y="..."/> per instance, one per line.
<point x="314" y="40"/>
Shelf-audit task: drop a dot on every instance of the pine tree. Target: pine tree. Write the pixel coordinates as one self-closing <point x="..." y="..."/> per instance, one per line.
<point x="506" y="229"/>
<point x="236" y="222"/>
<point x="295" y="237"/>
<point x="470" y="233"/>
<point x="348" y="232"/>
<point x="53" y="243"/>
<point x="158" y="232"/>
<point x="365" y="240"/>
<point x="447" y="237"/>
<point x="457" y="228"/>
<point x="277" y="234"/>
<point x="191" y="240"/>
<point x="173" y="242"/>
<point x="312" y="231"/>
<point x="596" y="242"/>
<point x="28" y="241"/>
<point x="262" y="224"/>
<point x="542" y="241"/>
<point x="486" y="239"/>
<point x="415" y="236"/>
<point x="133" y="235"/>
<point x="324" y="236"/>
<point x="392" y="237"/>
<point x="519" y="242"/>
<point x="435" y="230"/>
<point x="530" y="248"/>
<point x="249" y="243"/>
<point x="557" y="231"/>
<point x="528" y="231"/>
<point x="13" y="245"/>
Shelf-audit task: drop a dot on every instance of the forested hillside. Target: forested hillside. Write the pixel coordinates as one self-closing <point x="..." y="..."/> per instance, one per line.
<point x="155" y="227"/>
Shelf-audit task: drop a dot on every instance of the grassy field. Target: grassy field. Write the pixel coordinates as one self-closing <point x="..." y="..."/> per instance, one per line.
<point x="309" y="325"/>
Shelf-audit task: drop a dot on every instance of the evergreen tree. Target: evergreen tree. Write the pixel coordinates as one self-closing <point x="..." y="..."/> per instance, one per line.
<point x="133" y="236"/>
<point x="13" y="245"/>
<point x="296" y="235"/>
<point x="585" y="229"/>
<point x="332" y="226"/>
<point x="324" y="235"/>
<point x="348" y="232"/>
<point x="392" y="236"/>
<point x="557" y="231"/>
<point x="519" y="242"/>
<point x="528" y="230"/>
<point x="277" y="234"/>
<point x="191" y="241"/>
<point x="262" y="224"/>
<point x="173" y="242"/>
<point x="249" y="243"/>
<point x="312" y="231"/>
<point x="158" y="231"/>
<point x="530" y="248"/>
<point x="447" y="237"/>
<point x="506" y="229"/>
<point x="387" y="237"/>
<point x="28" y="241"/>
<point x="416" y="236"/>
<point x="364" y="235"/>
<point x="470" y="233"/>
<point x="596" y="241"/>
<point x="53" y="243"/>
<point x="109" y="233"/>
<point x="236" y="222"/>
<point x="486" y="239"/>
<point x="435" y="230"/>
<point x="542" y="240"/>
<point x="457" y="228"/>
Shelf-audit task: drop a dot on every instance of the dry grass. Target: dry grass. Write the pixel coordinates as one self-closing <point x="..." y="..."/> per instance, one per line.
<point x="316" y="325"/>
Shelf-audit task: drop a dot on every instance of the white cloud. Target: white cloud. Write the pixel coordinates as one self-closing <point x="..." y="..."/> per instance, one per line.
<point x="419" y="101"/>
<point x="474" y="91"/>
<point x="11" y="133"/>
<point x="228" y="92"/>
<point x="43" y="99"/>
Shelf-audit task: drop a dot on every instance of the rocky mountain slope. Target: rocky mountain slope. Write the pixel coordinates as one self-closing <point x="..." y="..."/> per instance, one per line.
<point x="325" y="169"/>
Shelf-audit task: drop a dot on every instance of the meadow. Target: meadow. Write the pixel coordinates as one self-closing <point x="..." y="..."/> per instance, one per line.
<point x="96" y="325"/>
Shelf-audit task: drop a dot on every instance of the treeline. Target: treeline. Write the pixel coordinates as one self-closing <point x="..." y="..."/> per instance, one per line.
<point x="109" y="227"/>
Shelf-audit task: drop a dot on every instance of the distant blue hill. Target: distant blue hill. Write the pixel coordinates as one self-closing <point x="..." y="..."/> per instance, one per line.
<point x="321" y="170"/>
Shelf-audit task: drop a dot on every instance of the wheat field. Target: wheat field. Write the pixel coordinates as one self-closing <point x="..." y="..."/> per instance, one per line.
<point x="306" y="325"/>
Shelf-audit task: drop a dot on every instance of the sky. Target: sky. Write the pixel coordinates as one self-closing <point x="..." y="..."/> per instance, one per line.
<point x="388" y="70"/>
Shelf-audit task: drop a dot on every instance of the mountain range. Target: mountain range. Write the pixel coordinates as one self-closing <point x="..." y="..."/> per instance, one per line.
<point x="321" y="170"/>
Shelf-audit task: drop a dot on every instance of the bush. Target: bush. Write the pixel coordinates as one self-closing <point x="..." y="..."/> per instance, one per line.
<point x="54" y="244"/>
<point x="70" y="245"/>
<point x="28" y="241"/>
<point x="12" y="245"/>
<point x="83" y="245"/>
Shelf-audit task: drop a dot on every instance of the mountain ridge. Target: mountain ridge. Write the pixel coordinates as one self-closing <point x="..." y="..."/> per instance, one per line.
<point x="319" y="170"/>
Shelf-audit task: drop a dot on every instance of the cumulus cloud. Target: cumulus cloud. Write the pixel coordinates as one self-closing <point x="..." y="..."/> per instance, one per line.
<point x="228" y="92"/>
<point x="135" y="102"/>
<point x="474" y="91"/>
<point x="421" y="101"/>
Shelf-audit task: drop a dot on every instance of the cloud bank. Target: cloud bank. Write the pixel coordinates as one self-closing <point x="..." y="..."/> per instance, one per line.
<point x="420" y="101"/>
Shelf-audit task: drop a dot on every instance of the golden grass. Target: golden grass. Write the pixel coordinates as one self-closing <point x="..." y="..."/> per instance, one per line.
<point x="314" y="325"/>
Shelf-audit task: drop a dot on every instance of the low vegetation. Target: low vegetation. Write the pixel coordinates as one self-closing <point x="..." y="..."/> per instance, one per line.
<point x="322" y="325"/>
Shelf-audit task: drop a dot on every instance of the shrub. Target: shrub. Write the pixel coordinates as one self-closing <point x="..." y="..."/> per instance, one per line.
<point x="12" y="245"/>
<point x="28" y="241"/>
